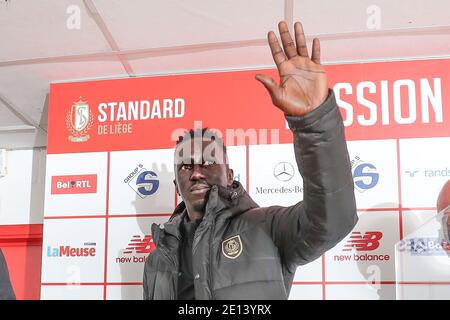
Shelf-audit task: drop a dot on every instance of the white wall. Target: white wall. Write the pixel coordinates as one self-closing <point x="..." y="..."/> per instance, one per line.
<point x="22" y="189"/>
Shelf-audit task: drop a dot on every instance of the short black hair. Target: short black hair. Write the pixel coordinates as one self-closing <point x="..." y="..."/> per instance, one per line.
<point x="202" y="132"/>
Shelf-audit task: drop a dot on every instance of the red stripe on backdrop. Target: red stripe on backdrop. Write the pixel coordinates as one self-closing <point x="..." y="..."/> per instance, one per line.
<point x="125" y="283"/>
<point x="24" y="234"/>
<point x="358" y="282"/>
<point x="419" y="209"/>
<point x="22" y="248"/>
<point x="112" y="216"/>
<point x="75" y="217"/>
<point x="72" y="284"/>
<point x="385" y="100"/>
<point x="377" y="209"/>
<point x="140" y="215"/>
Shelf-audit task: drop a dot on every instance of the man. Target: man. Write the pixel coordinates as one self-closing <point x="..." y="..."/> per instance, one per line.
<point x="443" y="200"/>
<point x="443" y="208"/>
<point x="219" y="244"/>
<point x="6" y="290"/>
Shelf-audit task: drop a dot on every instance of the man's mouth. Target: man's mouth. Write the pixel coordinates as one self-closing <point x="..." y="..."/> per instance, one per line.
<point x="199" y="188"/>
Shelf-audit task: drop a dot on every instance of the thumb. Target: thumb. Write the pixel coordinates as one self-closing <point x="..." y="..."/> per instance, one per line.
<point x="269" y="83"/>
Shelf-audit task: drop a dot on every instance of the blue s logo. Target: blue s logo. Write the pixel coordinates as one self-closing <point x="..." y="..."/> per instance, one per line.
<point x="365" y="176"/>
<point x="147" y="183"/>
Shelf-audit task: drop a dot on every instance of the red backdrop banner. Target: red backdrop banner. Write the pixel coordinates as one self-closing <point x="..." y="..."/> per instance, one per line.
<point x="378" y="101"/>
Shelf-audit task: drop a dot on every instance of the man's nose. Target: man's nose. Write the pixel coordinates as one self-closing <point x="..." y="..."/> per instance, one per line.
<point x="197" y="172"/>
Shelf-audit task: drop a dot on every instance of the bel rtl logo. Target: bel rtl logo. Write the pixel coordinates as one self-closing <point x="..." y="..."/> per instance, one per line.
<point x="86" y="183"/>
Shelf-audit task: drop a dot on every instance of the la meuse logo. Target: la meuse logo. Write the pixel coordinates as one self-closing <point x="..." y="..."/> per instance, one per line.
<point x="69" y="251"/>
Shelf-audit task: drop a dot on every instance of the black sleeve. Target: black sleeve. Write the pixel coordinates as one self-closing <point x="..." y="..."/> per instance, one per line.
<point x="303" y="232"/>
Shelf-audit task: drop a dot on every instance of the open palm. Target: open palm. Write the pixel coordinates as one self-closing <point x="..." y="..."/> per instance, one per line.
<point x="303" y="81"/>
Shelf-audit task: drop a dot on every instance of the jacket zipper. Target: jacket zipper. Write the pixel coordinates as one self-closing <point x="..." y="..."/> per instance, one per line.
<point x="211" y="260"/>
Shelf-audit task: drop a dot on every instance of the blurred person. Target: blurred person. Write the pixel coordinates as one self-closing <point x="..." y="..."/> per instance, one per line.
<point x="444" y="197"/>
<point x="6" y="290"/>
<point x="219" y="244"/>
<point x="443" y="207"/>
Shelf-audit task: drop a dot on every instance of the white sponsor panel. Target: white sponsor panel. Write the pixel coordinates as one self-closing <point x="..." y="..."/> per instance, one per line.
<point x="423" y="292"/>
<point x="306" y="292"/>
<point x="422" y="255"/>
<point x="367" y="253"/>
<point x="425" y="167"/>
<point x="129" y="244"/>
<point x="73" y="251"/>
<point x="309" y="272"/>
<point x="360" y="292"/>
<point x="65" y="195"/>
<point x="81" y="292"/>
<point x="141" y="182"/>
<point x="374" y="170"/>
<point x="273" y="175"/>
<point x="413" y="220"/>
<point x="125" y="292"/>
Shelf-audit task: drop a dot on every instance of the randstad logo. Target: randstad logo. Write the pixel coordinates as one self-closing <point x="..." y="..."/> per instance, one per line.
<point x="365" y="174"/>
<point x="137" y="246"/>
<point x="69" y="251"/>
<point x="144" y="182"/>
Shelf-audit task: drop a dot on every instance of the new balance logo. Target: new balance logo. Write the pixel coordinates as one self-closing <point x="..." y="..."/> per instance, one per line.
<point x="367" y="242"/>
<point x="138" y="245"/>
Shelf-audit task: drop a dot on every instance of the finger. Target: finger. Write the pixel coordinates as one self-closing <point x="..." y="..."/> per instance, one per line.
<point x="277" y="53"/>
<point x="286" y="40"/>
<point x="315" y="56"/>
<point x="300" y="40"/>
<point x="269" y="83"/>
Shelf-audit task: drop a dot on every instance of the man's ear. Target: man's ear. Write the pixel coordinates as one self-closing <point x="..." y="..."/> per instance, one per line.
<point x="230" y="176"/>
<point x="176" y="187"/>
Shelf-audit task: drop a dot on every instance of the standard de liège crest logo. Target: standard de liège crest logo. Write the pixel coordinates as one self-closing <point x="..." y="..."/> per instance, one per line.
<point x="232" y="247"/>
<point x="78" y="121"/>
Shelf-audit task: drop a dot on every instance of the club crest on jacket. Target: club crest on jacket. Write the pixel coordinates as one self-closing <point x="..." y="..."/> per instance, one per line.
<point x="232" y="247"/>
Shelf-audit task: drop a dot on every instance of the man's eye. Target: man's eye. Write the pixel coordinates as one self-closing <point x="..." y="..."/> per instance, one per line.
<point x="208" y="163"/>
<point x="186" y="166"/>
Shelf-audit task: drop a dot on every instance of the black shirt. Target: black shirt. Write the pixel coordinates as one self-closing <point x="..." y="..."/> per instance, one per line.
<point x="186" y="289"/>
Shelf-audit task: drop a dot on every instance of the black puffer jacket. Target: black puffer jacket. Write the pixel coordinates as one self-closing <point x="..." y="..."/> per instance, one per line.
<point x="242" y="251"/>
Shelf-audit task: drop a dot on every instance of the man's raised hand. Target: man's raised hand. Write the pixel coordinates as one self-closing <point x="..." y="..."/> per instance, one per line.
<point x="303" y="81"/>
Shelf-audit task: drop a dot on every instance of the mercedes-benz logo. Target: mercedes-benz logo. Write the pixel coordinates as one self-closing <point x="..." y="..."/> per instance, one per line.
<point x="283" y="171"/>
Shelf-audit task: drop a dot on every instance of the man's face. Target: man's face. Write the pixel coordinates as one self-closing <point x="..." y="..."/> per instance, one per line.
<point x="199" y="165"/>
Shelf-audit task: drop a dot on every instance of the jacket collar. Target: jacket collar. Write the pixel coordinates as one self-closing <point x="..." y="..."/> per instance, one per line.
<point x="222" y="203"/>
